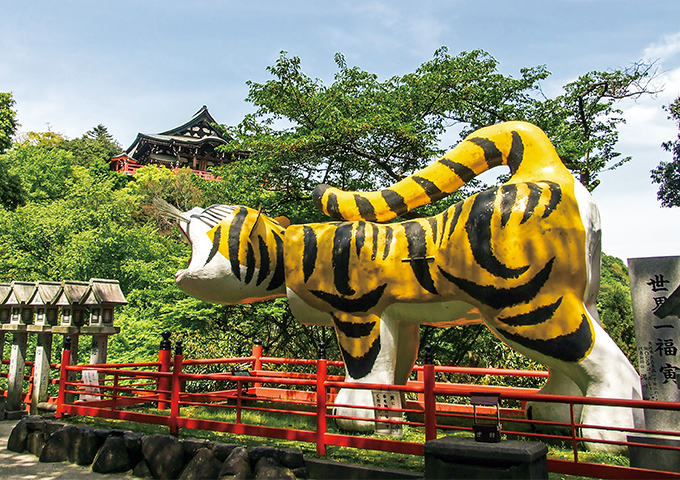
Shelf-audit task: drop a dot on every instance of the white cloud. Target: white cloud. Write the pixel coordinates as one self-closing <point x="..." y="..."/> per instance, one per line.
<point x="665" y="49"/>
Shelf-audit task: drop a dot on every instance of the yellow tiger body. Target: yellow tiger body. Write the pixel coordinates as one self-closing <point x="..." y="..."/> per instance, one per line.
<point x="517" y="252"/>
<point x="524" y="257"/>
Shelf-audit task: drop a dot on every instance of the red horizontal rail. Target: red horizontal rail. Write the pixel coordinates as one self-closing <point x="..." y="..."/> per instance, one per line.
<point x="487" y="371"/>
<point x="310" y="390"/>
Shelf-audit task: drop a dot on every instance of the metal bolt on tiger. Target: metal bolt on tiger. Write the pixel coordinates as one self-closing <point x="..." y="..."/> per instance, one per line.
<point x="524" y="257"/>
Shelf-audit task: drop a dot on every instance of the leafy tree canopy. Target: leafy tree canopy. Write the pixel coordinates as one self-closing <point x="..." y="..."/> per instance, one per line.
<point x="8" y="123"/>
<point x="667" y="174"/>
<point x="11" y="194"/>
<point x="361" y="133"/>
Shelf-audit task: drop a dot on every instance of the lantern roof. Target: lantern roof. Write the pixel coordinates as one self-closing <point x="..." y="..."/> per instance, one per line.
<point x="22" y="293"/>
<point x="47" y="294"/>
<point x="5" y="291"/>
<point x="105" y="291"/>
<point x="73" y="292"/>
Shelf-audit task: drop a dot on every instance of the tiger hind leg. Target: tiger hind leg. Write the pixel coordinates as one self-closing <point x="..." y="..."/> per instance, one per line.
<point x="604" y="371"/>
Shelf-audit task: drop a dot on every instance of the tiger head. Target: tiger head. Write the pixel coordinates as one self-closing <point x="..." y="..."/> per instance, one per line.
<point x="236" y="253"/>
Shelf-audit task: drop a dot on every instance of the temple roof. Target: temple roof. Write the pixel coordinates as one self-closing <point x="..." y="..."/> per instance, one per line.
<point x="197" y="135"/>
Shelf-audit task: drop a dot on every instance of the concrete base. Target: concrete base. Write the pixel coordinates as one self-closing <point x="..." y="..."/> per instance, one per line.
<point x="15" y="414"/>
<point x="458" y="457"/>
<point x="318" y="468"/>
<point x="654" y="458"/>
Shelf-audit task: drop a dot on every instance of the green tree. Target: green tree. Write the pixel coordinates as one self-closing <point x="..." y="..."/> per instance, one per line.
<point x="8" y="123"/>
<point x="582" y="123"/>
<point x="95" y="146"/>
<point x="45" y="170"/>
<point x="361" y="133"/>
<point x="11" y="194"/>
<point x="615" y="307"/>
<point x="667" y="174"/>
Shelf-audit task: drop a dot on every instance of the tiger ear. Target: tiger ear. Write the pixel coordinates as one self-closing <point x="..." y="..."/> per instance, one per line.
<point x="283" y="221"/>
<point x="257" y="219"/>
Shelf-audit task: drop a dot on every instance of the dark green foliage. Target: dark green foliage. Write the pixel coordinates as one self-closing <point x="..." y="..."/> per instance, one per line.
<point x="614" y="305"/>
<point x="667" y="174"/>
<point x="8" y="123"/>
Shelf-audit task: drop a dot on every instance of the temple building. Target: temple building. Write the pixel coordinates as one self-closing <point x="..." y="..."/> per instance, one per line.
<point x="190" y="145"/>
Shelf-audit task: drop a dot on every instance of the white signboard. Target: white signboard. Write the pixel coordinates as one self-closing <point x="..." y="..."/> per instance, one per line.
<point x="90" y="377"/>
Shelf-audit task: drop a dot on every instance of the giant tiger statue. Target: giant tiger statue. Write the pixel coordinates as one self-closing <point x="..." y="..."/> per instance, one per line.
<point x="525" y="256"/>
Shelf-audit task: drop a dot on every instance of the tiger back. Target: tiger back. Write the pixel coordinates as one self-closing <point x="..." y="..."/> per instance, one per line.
<point x="517" y="252"/>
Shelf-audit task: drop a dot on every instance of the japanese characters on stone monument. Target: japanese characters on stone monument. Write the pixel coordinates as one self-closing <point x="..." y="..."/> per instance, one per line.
<point x="654" y="285"/>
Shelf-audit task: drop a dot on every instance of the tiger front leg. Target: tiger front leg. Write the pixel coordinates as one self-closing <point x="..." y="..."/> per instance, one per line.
<point x="369" y="348"/>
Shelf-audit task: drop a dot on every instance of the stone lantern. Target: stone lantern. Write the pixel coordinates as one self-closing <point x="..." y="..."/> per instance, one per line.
<point x="21" y="315"/>
<point x="71" y="302"/>
<point x="101" y="299"/>
<point x="46" y="311"/>
<point x="46" y="314"/>
<point x="5" y="290"/>
<point x="104" y="295"/>
<point x="19" y="301"/>
<point x="5" y="310"/>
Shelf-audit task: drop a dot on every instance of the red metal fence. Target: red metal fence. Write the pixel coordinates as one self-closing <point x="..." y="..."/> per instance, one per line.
<point x="166" y="394"/>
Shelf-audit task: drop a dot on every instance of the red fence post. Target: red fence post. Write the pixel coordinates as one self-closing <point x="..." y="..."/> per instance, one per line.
<point x="164" y="358"/>
<point x="321" y="368"/>
<point x="573" y="431"/>
<point x="176" y="387"/>
<point x="257" y="362"/>
<point x="63" y="376"/>
<point x="430" y="403"/>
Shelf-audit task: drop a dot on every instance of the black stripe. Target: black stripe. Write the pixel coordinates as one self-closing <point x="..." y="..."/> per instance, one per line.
<point x="445" y="218"/>
<point x="332" y="206"/>
<point x="508" y="197"/>
<point x="213" y="216"/>
<point x="361" y="366"/>
<point x="342" y="241"/>
<point x="362" y="304"/>
<point x="571" y="347"/>
<point x="210" y="223"/>
<point x="464" y="172"/>
<point x="317" y="195"/>
<point x="503" y="297"/>
<point x="535" y="317"/>
<point x="360" y="237"/>
<point x="376" y="232"/>
<point x="431" y="190"/>
<point x="478" y="228"/>
<point x="250" y="263"/>
<point x="279" y="272"/>
<point x="516" y="154"/>
<point x="535" y="193"/>
<point x="433" y="227"/>
<point x="555" y="198"/>
<point x="457" y="209"/>
<point x="309" y="251"/>
<point x="492" y="155"/>
<point x="235" y="231"/>
<point x="395" y="202"/>
<point x="215" y="245"/>
<point x="389" y="233"/>
<point x="264" y="260"/>
<point x="417" y="251"/>
<point x="365" y="207"/>
<point x="353" y="329"/>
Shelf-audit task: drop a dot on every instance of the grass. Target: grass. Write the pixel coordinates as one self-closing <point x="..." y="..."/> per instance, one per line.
<point x="335" y="453"/>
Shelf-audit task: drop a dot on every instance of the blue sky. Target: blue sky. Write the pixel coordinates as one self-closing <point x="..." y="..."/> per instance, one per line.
<point x="148" y="66"/>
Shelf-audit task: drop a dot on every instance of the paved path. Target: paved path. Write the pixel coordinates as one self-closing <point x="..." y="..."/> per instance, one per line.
<point x="25" y="466"/>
